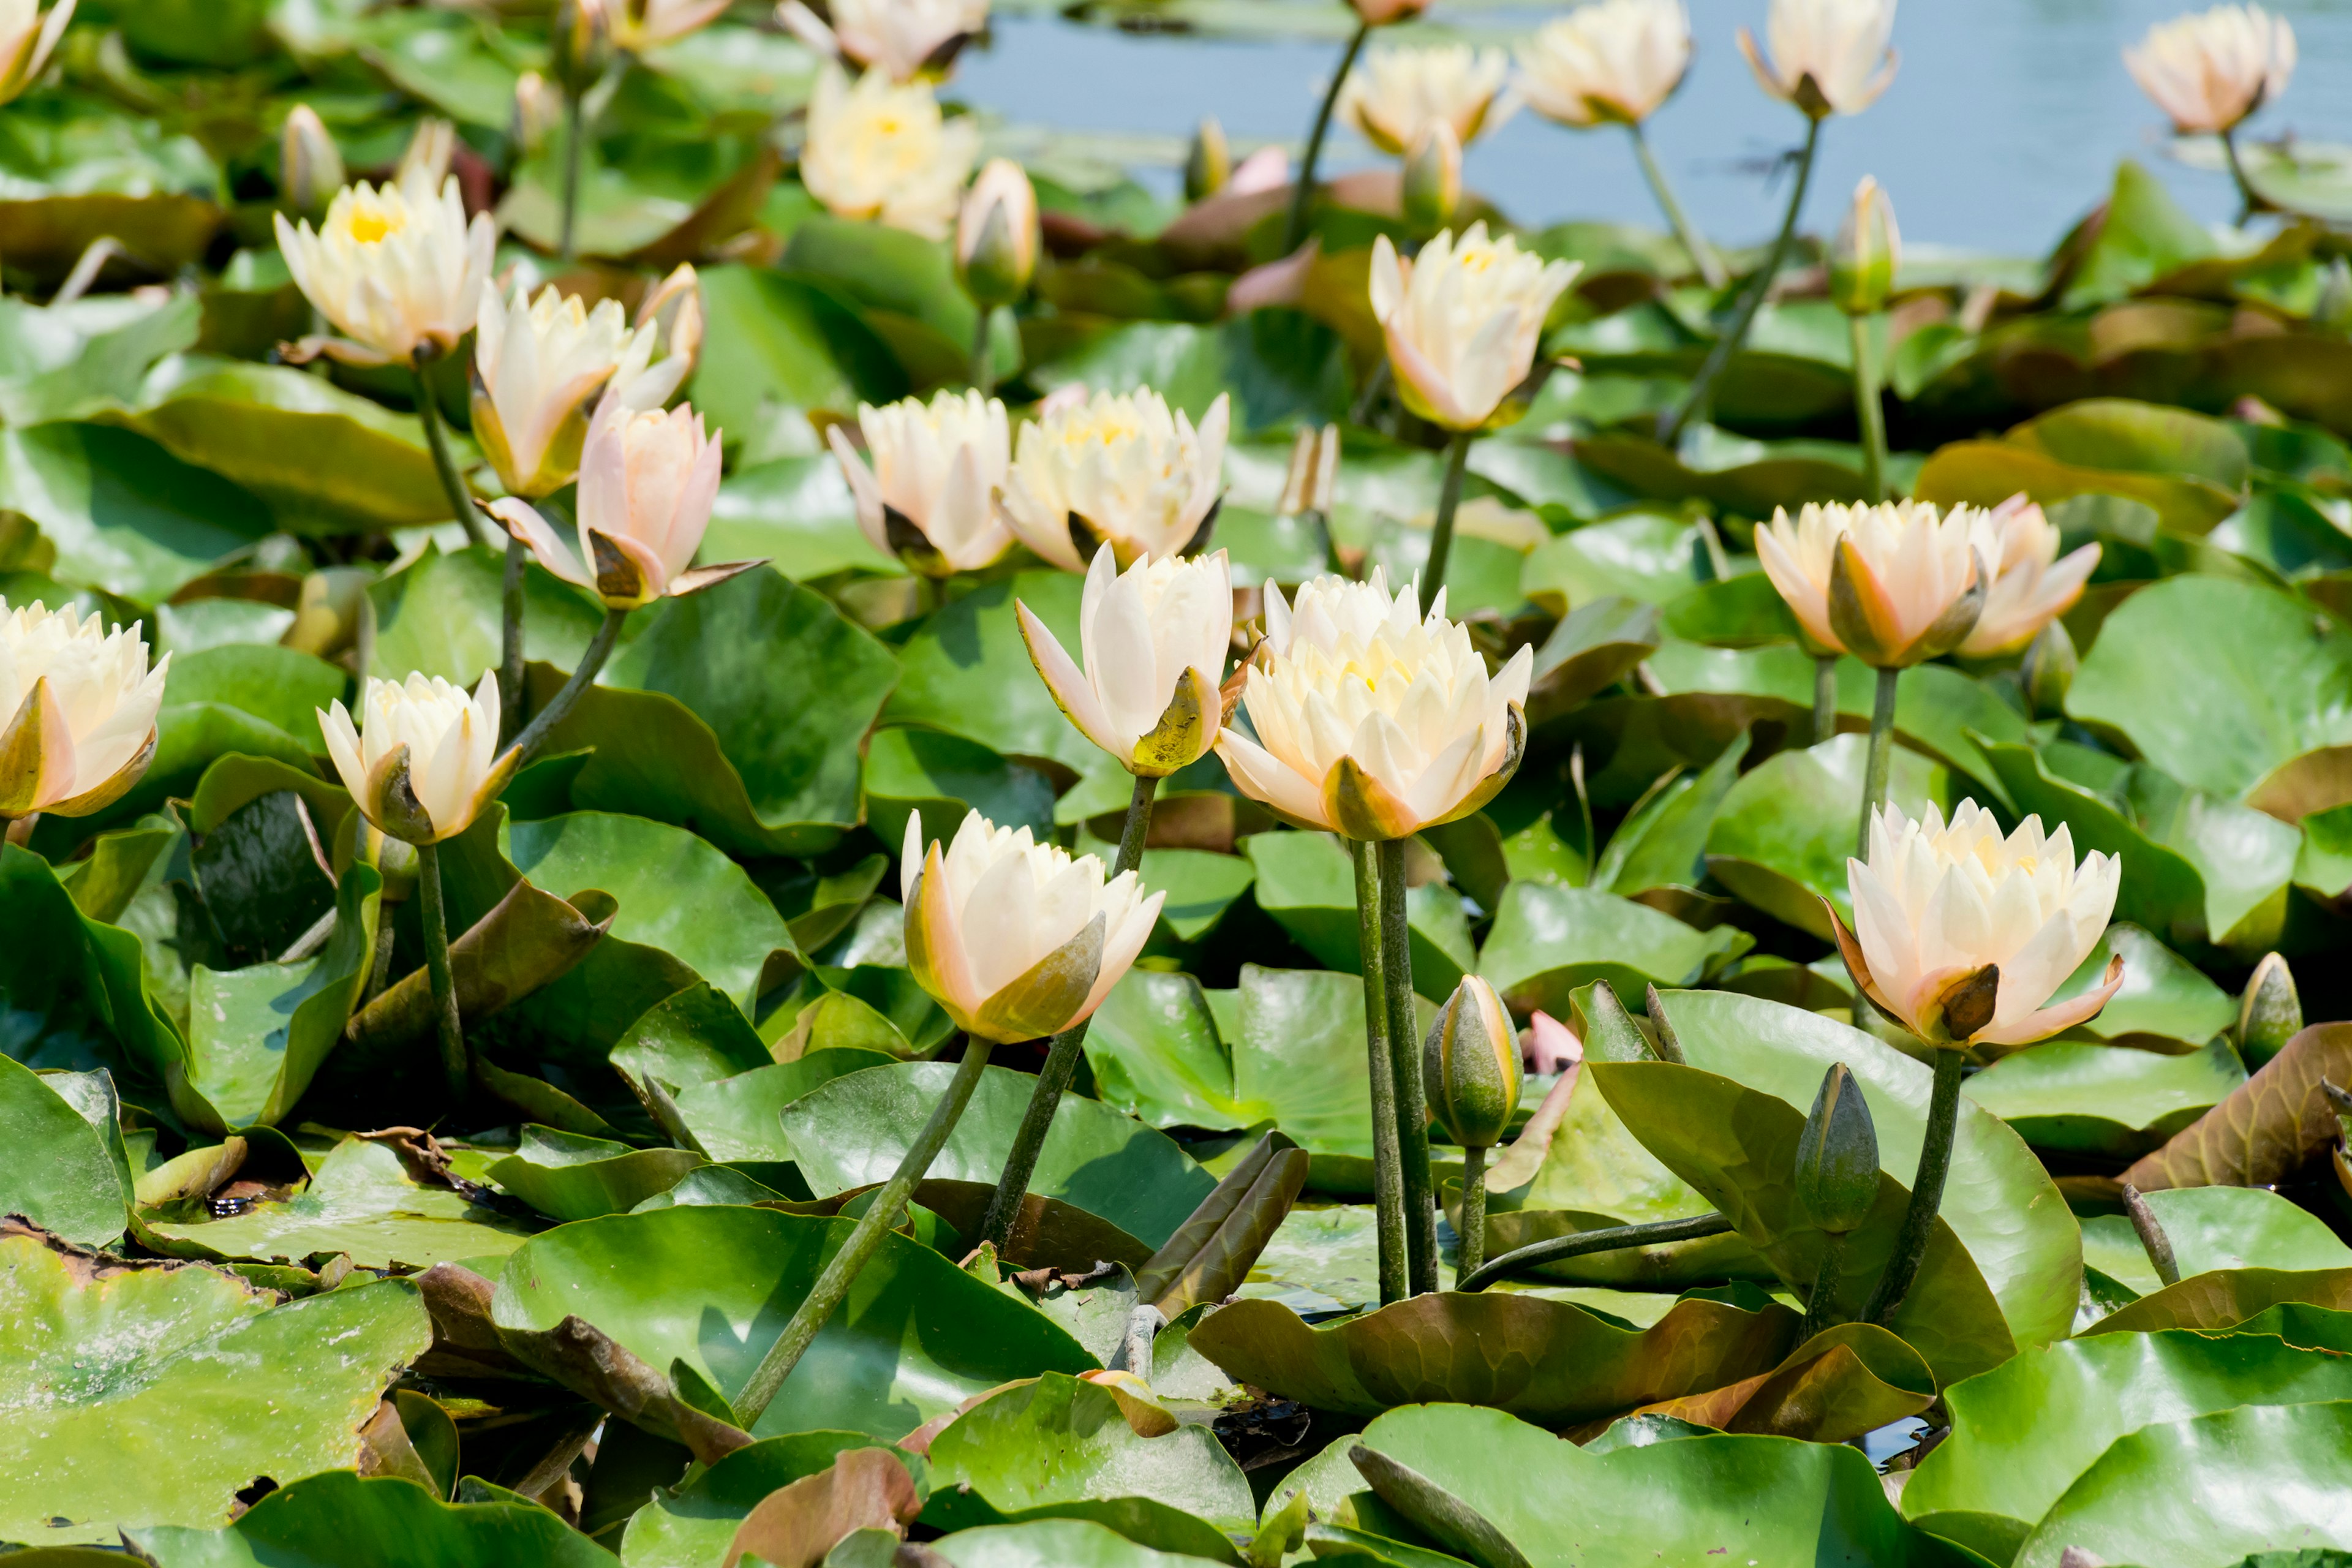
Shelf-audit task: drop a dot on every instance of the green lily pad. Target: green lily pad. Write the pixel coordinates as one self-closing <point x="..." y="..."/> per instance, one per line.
<point x="1156" y="1054"/>
<point x="1278" y="365"/>
<point x="382" y="1521"/>
<point x="441" y="615"/>
<point x="735" y="1118"/>
<point x="68" y="359"/>
<point x="2109" y="1101"/>
<point x="1053" y="1543"/>
<point x="2160" y="890"/>
<point x="1550" y="942"/>
<point x="566" y="1176"/>
<point x="123" y="514"/>
<point x="1650" y="557"/>
<point x="1306" y="882"/>
<point x="777" y="349"/>
<point x="65" y="1178"/>
<point x="692" y="1525"/>
<point x="1662" y="842"/>
<point x="943" y="776"/>
<point x="74" y="994"/>
<point x="965" y="670"/>
<point x="797" y="515"/>
<point x="2213" y="1228"/>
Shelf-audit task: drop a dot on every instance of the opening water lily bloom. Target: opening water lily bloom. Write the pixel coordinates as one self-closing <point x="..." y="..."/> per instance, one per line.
<point x="1393" y="97"/>
<point x="1828" y="57"/>
<point x="1892" y="584"/>
<point x="640" y="25"/>
<point x="901" y="39"/>
<point x="1153" y="638"/>
<point x="396" y="268"/>
<point x="930" y="495"/>
<point x="881" y="150"/>
<point x="1372" y="720"/>
<point x="1119" y="469"/>
<point x="1463" y="320"/>
<point x="80" y="705"/>
<point x="1606" y="62"/>
<point x="26" y="41"/>
<point x="1017" y="940"/>
<point x="423" y="760"/>
<point x="2208" y="71"/>
<point x="2031" y="585"/>
<point x="537" y="363"/>
<point x="1963" y="936"/>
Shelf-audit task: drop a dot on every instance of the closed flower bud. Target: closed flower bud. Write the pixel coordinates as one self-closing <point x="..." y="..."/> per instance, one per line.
<point x="1154" y="638"/>
<point x="579" y="43"/>
<point x="2270" y="1013"/>
<point x="1432" y="179"/>
<point x="928" y="496"/>
<point x="882" y="150"/>
<point x="423" y="760"/>
<point x="997" y="237"/>
<point x="1209" y="164"/>
<point x="1892" y="584"/>
<point x="2047" y="672"/>
<point x="426" y="157"/>
<point x="902" y="38"/>
<point x="1829" y="57"/>
<point x="1463" y="321"/>
<point x="1837" y="1157"/>
<point x="538" y="112"/>
<point x="1867" y="253"/>
<point x="2209" y="71"/>
<point x="80" y="706"/>
<point x="1381" y="13"/>
<point x="1117" y="469"/>
<point x="26" y="41"/>
<point x="309" y="164"/>
<point x="642" y="25"/>
<point x="1470" y="1066"/>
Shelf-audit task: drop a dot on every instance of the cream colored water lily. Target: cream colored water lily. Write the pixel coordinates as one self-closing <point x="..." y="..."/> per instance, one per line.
<point x="641" y="25"/>
<point x="930" y="497"/>
<point x="81" y="707"/>
<point x="1372" y="720"/>
<point x="1892" y="584"/>
<point x="2031" y="585"/>
<point x="1463" y="320"/>
<point x="423" y="760"/>
<point x="899" y="38"/>
<point x="1963" y="936"/>
<point x="396" y="268"/>
<point x="26" y="41"/>
<point x="1606" y="62"/>
<point x="1017" y="940"/>
<point x="647" y="479"/>
<point x="2209" y="70"/>
<point x="881" y="150"/>
<point x="537" y="364"/>
<point x="1153" y="640"/>
<point x="1393" y="97"/>
<point x="1116" y="468"/>
<point x="1829" y="57"/>
<point x="997" y="237"/>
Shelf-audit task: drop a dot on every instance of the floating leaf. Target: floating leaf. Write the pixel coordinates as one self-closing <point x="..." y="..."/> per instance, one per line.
<point x="692" y="1525"/>
<point x="2105" y="1101"/>
<point x="1306" y="882"/>
<point x="566" y="1176"/>
<point x="1550" y="942"/>
<point x="1842" y="1383"/>
<point x="2267" y="1126"/>
<point x="384" y="1522"/>
<point x="65" y="1179"/>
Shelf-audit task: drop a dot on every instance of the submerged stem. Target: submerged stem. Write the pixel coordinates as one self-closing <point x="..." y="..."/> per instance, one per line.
<point x="1302" y="197"/>
<point x="1881" y="757"/>
<point x="984" y="364"/>
<point x="1388" y="1176"/>
<point x="454" y="1068"/>
<point x="1405" y="1065"/>
<point x="1701" y="254"/>
<point x="1927" y="1191"/>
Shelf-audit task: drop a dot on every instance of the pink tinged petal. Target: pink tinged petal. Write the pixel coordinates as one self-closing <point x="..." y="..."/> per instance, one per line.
<point x="2039" y="967"/>
<point x="603" y="504"/>
<point x="1389" y="278"/>
<point x="523" y="522"/>
<point x="1070" y="691"/>
<point x="692" y="518"/>
<point x="2064" y="1015"/>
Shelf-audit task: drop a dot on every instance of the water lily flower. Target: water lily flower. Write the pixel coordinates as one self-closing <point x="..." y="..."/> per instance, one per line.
<point x="26" y="41"/>
<point x="641" y="25"/>
<point x="1153" y="638"/>
<point x="1867" y="252"/>
<point x="537" y="111"/>
<point x="930" y="496"/>
<point x="1372" y="720"/>
<point x="901" y="39"/>
<point x="997" y="237"/>
<point x="1017" y="941"/>
<point x="1829" y="57"/>
<point x="396" y="268"/>
<point x="2031" y="585"/>
<point x="1393" y="97"/>
<point x="537" y="364"/>
<point x="424" y="761"/>
<point x="673" y="308"/>
<point x="1381" y="13"/>
<point x="647" y="479"/>
<point x="1463" y="320"/>
<point x="1116" y="468"/>
<point x="1962" y="935"/>
<point x="881" y="150"/>
<point x="1608" y="62"/>
<point x="80" y="704"/>
<point x="1892" y="584"/>
<point x="2210" y="70"/>
<point x="309" y="164"/>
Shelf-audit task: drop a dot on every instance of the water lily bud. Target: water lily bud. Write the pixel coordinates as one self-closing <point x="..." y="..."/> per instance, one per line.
<point x="579" y="43"/>
<point x="1397" y="94"/>
<point x="2048" y="672"/>
<point x="1463" y="320"/>
<point x="80" y="704"/>
<point x="1867" y="253"/>
<point x="1606" y="62"/>
<point x="881" y="150"/>
<point x="309" y="164"/>
<point x="538" y="112"/>
<point x="1837" y="1157"/>
<point x="27" y="39"/>
<point x="2270" y="1013"/>
<point x="1017" y="940"/>
<point x="1154" y="638"/>
<point x="1470" y="1066"/>
<point x="1209" y="162"/>
<point x="997" y="237"/>
<point x="2209" y="71"/>
<point x="1829" y="57"/>
<point x="427" y="155"/>
<point x="1117" y="469"/>
<point x="396" y="268"/>
<point x="1381" y="13"/>
<point x="1432" y="179"/>
<point x="1892" y="584"/>
<point x="1962" y="936"/>
<point x="930" y="497"/>
<point x="423" y="760"/>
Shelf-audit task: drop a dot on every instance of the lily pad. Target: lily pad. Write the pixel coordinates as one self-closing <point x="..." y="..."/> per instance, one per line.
<point x="1845" y="1381"/>
<point x="74" y="993"/>
<point x="2267" y="1126"/>
<point x="1662" y="842"/>
<point x="1156" y="1054"/>
<point x="65" y="1178"/>
<point x="1052" y="1543"/>
<point x="965" y="670"/>
<point x="1548" y="942"/>
<point x="567" y="1177"/>
<point x="123" y="514"/>
<point x="2108" y="1101"/>
<point x="441" y="615"/>
<point x="385" y="1522"/>
<point x="2213" y="1228"/>
<point x="1306" y="882"/>
<point x="777" y="349"/>
<point x="692" y="1525"/>
<point x="735" y="1118"/>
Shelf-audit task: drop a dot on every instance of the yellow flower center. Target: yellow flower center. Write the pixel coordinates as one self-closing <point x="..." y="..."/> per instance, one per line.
<point x="370" y="227"/>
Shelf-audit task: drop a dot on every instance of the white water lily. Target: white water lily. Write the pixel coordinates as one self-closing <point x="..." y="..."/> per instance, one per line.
<point x="930" y="496"/>
<point x="641" y="25"/>
<point x="1372" y="720"/>
<point x="897" y="37"/>
<point x="1017" y="940"/>
<point x="1606" y="62"/>
<point x="1116" y="468"/>
<point x="79" y="706"/>
<point x="1935" y="905"/>
<point x="1829" y="57"/>
<point x="1394" y="95"/>
<point x="881" y="150"/>
<point x="26" y="41"/>
<point x="1892" y="584"/>
<point x="2031" y="587"/>
<point x="1153" y="639"/>
<point x="537" y="364"/>
<point x="2209" y="70"/>
<point x="396" y="268"/>
<point x="423" y="760"/>
<point x="1463" y="320"/>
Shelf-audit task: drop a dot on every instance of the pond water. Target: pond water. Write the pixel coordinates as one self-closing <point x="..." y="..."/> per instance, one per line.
<point x="2003" y="126"/>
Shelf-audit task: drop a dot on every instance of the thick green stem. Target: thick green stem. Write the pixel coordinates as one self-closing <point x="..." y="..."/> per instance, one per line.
<point x="1404" y="1063"/>
<point x="1825" y="697"/>
<point x="2152" y="1239"/>
<point x="1868" y="410"/>
<point x="1449" y="501"/>
<point x="2250" y="202"/>
<point x="1615" y="1238"/>
<point x="1701" y="254"/>
<point x="600" y="649"/>
<point x="454" y="1068"/>
<point x="1702" y="388"/>
<point x="1927" y="1191"/>
<point x="380" y="966"/>
<point x="575" y="131"/>
<point x="1472" y="1251"/>
<point x="510" y="642"/>
<point x="1819" y="1305"/>
<point x="1388" y="1175"/>
<point x="1061" y="1057"/>
<point x="880" y="1219"/>
<point x="983" y="364"/>
<point x="1302" y="198"/>
<point x="452" y="483"/>
<point x="1882" y="754"/>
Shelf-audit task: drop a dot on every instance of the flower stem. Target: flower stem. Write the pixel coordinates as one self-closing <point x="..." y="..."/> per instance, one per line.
<point x="1472" y="1251"/>
<point x="1710" y="371"/>
<point x="1817" y="1308"/>
<point x="880" y="1217"/>
<point x="1869" y="411"/>
<point x="2249" y="201"/>
<point x="1927" y="1191"/>
<point x="2152" y="1239"/>
<point x="1882" y="755"/>
<point x="1404" y="1063"/>
<point x="1701" y="254"/>
<point x="984" y="364"/>
<point x="452" y="483"/>
<point x="1615" y="1238"/>
<point x="1449" y="501"/>
<point x="1824" y="698"/>
<point x="1388" y="1176"/>
<point x="575" y="130"/>
<point x="600" y="649"/>
<point x="510" y="643"/>
<point x="1302" y="198"/>
<point x="454" y="1068"/>
<point x="1061" y="1056"/>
